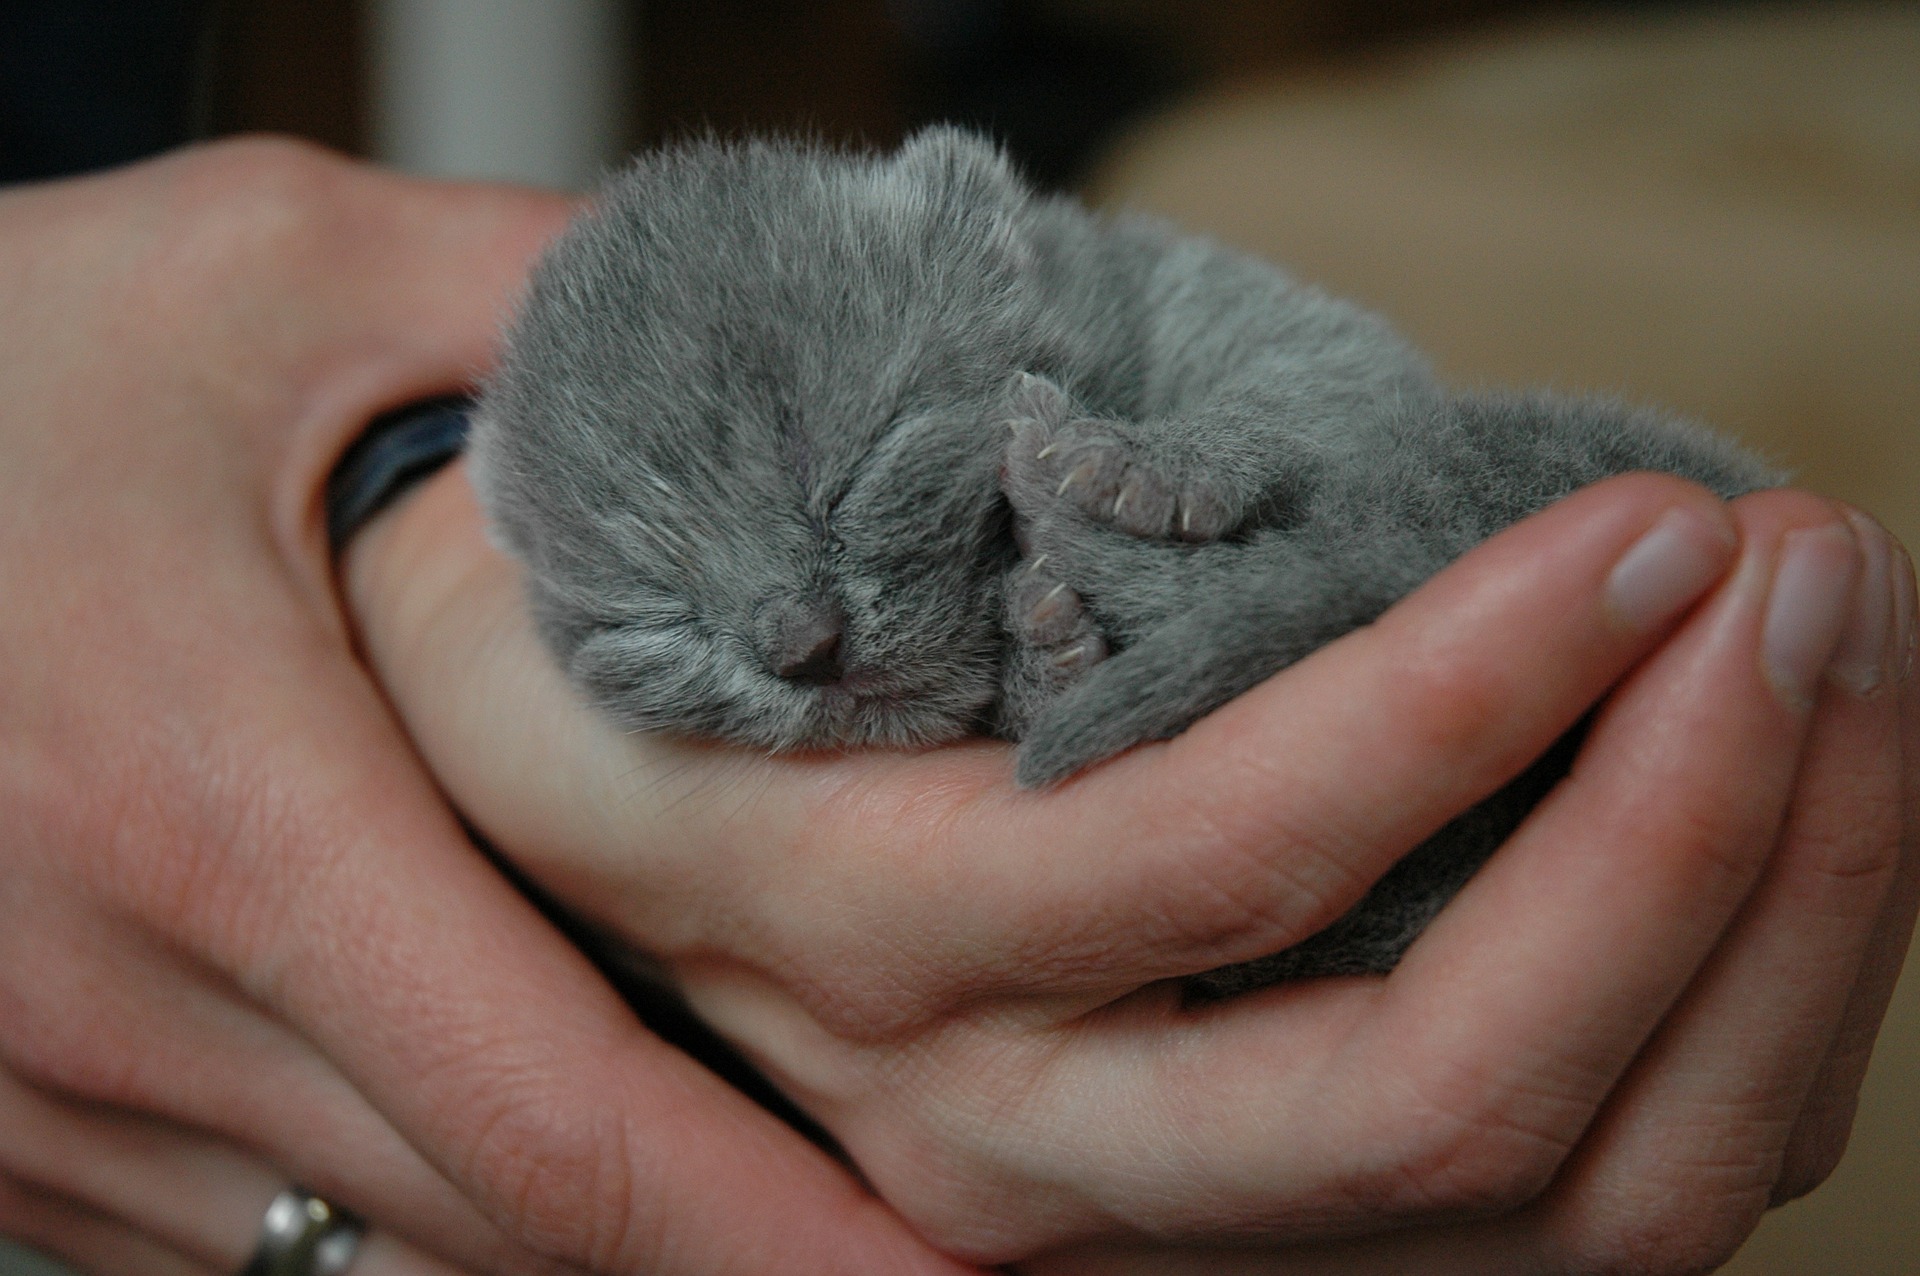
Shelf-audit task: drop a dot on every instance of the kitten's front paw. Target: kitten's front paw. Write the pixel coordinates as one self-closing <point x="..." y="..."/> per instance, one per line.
<point x="1053" y="643"/>
<point x="1057" y="456"/>
<point x="1095" y="467"/>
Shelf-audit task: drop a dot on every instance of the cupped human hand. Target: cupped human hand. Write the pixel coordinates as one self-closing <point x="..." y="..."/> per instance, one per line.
<point x="243" y="941"/>
<point x="1642" y="1023"/>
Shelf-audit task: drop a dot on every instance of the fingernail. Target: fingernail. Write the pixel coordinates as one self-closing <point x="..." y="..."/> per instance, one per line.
<point x="1860" y="662"/>
<point x="1807" y="609"/>
<point x="1668" y="568"/>
<point x="1904" y="608"/>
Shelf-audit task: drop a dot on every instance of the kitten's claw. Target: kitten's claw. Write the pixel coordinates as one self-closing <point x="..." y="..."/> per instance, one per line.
<point x="1085" y="472"/>
<point x="1044" y="612"/>
<point x="1082" y="656"/>
<point x="1054" y="643"/>
<point x="1203" y="516"/>
<point x="1090" y="466"/>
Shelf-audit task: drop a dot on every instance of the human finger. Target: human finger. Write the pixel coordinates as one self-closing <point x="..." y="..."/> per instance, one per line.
<point x="1623" y="881"/>
<point x="93" y="1242"/>
<point x="85" y="1239"/>
<point x="1820" y="1132"/>
<point x="115" y="1024"/>
<point x="1662" y="1197"/>
<point x="127" y="1192"/>
<point x="1688" y="1150"/>
<point x="1461" y="1081"/>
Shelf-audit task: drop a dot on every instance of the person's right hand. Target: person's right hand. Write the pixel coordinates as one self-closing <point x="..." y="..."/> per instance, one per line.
<point x="1644" y="1021"/>
<point x="242" y="939"/>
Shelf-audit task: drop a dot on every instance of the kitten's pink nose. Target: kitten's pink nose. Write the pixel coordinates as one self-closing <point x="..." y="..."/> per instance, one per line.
<point x="805" y="643"/>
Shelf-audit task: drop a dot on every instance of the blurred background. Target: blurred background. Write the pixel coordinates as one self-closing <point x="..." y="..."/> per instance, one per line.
<point x="1711" y="206"/>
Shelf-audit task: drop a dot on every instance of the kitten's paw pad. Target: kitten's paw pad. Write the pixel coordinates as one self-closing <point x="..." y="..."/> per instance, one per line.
<point x="1094" y="467"/>
<point x="1055" y="644"/>
<point x="1047" y="615"/>
<point x="1042" y="610"/>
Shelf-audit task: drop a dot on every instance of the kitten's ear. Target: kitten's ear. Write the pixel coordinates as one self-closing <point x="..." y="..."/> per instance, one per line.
<point x="1032" y="397"/>
<point x="960" y="165"/>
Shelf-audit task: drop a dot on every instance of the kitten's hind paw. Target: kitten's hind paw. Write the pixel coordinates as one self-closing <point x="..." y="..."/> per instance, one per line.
<point x="1061" y="746"/>
<point x="1153" y="690"/>
<point x="1056" y="457"/>
<point x="1097" y="718"/>
<point x="1054" y="643"/>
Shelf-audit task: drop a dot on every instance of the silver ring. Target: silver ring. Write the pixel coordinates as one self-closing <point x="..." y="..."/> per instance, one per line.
<point x="303" y="1235"/>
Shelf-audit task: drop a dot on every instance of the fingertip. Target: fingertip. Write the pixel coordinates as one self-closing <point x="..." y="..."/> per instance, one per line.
<point x="1904" y="609"/>
<point x="1670" y="566"/>
<point x="1862" y="663"/>
<point x="1808" y="608"/>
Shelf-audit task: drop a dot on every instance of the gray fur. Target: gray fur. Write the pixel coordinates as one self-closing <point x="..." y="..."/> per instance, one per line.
<point x="812" y="449"/>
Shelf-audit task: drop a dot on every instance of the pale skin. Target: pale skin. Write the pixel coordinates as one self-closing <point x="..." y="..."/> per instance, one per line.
<point x="1641" y="1026"/>
<point x="242" y="939"/>
<point x="259" y="948"/>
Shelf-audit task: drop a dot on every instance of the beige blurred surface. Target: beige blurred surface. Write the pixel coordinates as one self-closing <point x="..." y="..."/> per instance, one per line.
<point x="1715" y="211"/>
<point x="1719" y="215"/>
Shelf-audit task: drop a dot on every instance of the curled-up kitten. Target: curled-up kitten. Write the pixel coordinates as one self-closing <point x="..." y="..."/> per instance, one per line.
<point x="811" y="449"/>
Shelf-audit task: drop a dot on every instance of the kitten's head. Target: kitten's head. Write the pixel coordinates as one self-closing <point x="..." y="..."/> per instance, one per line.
<point x="742" y="439"/>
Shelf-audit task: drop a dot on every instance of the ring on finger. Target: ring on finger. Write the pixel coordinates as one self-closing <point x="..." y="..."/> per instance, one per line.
<point x="304" y="1235"/>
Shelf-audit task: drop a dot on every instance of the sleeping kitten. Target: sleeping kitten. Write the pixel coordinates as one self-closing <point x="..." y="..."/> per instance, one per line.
<point x="811" y="449"/>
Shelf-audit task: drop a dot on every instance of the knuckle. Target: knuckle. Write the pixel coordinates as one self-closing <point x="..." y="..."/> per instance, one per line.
<point x="1475" y="1171"/>
<point x="1251" y="888"/>
<point x="1813" y="1153"/>
<point x="264" y="171"/>
<point x="1667" y="1241"/>
<point x="561" y="1174"/>
<point x="1864" y="851"/>
<point x="173" y="829"/>
<point x="76" y="1030"/>
<point x="1268" y="896"/>
<point x="872" y="1006"/>
<point x="100" y="857"/>
<point x="58" y="1054"/>
<point x="1454" y="704"/>
<point x="1809" y="1171"/>
<point x="46" y="806"/>
<point x="1483" y="1148"/>
<point x="246" y="204"/>
<point x="1244" y="887"/>
<point x="1715" y="850"/>
<point x="1687" y="1210"/>
<point x="962" y="1174"/>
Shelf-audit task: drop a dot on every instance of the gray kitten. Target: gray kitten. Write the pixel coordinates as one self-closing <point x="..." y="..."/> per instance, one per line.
<point x="809" y="449"/>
